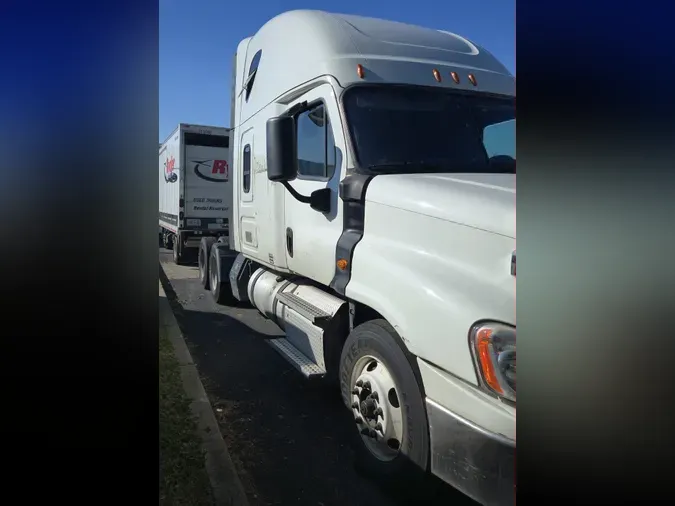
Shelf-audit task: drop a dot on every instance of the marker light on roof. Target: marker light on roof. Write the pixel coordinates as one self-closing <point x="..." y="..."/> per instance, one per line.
<point x="437" y="75"/>
<point x="455" y="77"/>
<point x="359" y="70"/>
<point x="472" y="78"/>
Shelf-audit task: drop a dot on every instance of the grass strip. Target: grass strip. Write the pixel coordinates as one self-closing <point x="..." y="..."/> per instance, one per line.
<point x="182" y="477"/>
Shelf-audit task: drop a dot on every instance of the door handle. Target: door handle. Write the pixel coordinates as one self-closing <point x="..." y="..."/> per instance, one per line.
<point x="289" y="242"/>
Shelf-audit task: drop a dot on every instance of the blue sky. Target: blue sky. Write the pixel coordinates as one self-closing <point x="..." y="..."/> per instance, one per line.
<point x="197" y="39"/>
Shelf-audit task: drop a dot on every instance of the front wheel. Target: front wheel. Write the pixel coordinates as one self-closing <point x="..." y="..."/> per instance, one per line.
<point x="380" y="388"/>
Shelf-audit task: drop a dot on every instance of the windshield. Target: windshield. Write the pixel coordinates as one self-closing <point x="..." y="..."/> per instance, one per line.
<point x="397" y="129"/>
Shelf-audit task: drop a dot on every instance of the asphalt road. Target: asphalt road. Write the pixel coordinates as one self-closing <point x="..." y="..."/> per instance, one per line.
<point x="289" y="438"/>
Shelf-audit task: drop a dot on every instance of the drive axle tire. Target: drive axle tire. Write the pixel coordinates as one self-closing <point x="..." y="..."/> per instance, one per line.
<point x="221" y="291"/>
<point x="382" y="392"/>
<point x="178" y="256"/>
<point x="204" y="255"/>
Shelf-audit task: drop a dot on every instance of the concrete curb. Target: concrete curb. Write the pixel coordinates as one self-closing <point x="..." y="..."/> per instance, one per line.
<point x="227" y="488"/>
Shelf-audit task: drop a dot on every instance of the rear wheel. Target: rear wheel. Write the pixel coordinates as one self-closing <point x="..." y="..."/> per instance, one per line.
<point x="204" y="254"/>
<point x="380" y="388"/>
<point x="221" y="291"/>
<point x="177" y="251"/>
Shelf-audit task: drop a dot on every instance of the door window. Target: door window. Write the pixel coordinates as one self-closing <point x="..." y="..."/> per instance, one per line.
<point x="316" y="144"/>
<point x="246" y="179"/>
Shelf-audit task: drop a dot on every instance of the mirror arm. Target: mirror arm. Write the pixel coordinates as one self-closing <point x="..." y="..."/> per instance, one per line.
<point x="296" y="195"/>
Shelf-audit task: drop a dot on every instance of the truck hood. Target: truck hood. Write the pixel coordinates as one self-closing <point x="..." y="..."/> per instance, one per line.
<point x="482" y="201"/>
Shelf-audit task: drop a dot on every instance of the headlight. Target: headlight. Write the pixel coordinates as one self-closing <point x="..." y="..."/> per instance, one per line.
<point x="493" y="346"/>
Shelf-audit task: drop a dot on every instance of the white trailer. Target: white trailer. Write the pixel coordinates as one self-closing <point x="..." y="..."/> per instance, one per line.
<point x="194" y="195"/>
<point x="374" y="221"/>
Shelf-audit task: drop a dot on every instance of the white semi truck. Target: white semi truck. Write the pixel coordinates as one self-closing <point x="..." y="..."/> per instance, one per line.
<point x="194" y="194"/>
<point x="374" y="220"/>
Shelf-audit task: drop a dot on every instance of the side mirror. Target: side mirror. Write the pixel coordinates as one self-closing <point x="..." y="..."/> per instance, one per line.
<point x="502" y="164"/>
<point x="282" y="159"/>
<point x="319" y="200"/>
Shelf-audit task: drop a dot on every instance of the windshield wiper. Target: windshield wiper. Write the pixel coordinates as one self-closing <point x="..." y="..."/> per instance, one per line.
<point x="496" y="165"/>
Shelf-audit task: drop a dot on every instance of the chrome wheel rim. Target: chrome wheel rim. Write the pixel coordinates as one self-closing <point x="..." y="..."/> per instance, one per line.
<point x="376" y="408"/>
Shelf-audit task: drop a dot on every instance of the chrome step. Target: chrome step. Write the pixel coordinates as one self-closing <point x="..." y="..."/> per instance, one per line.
<point x="306" y="309"/>
<point x="298" y="359"/>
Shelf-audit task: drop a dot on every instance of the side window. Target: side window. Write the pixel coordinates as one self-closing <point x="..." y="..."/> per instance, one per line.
<point x="247" y="169"/>
<point x="500" y="139"/>
<point x="316" y="145"/>
<point x="252" y="71"/>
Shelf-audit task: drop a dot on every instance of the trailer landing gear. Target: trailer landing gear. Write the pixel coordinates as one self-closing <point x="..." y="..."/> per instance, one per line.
<point x="167" y="240"/>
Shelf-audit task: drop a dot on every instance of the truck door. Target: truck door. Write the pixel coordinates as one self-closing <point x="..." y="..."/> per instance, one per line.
<point x="311" y="236"/>
<point x="248" y="228"/>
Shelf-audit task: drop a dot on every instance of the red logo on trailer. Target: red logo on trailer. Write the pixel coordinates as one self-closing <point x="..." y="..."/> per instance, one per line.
<point x="215" y="171"/>
<point x="220" y="167"/>
<point x="169" y="165"/>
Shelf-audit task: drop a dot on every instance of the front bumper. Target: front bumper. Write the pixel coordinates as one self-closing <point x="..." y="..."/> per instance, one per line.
<point x="473" y="460"/>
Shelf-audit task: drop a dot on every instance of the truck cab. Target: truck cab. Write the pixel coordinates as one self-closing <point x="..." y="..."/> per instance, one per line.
<point x="373" y="219"/>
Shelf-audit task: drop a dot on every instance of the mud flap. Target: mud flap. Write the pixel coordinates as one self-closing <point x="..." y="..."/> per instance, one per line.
<point x="239" y="275"/>
<point x="225" y="258"/>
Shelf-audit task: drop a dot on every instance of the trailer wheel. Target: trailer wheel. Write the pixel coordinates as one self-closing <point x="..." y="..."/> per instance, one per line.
<point x="168" y="243"/>
<point x="178" y="255"/>
<point x="380" y="388"/>
<point x="204" y="254"/>
<point x="221" y="292"/>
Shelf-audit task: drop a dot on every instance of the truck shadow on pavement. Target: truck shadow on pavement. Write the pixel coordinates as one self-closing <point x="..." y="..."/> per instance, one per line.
<point x="289" y="438"/>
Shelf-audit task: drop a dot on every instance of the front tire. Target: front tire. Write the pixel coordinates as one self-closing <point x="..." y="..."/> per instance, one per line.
<point x="379" y="386"/>
<point x="204" y="255"/>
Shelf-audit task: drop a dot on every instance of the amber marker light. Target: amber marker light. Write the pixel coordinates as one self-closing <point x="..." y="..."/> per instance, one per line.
<point x="472" y="78"/>
<point x="341" y="264"/>
<point x="437" y="75"/>
<point x="489" y="373"/>
<point x="359" y="71"/>
<point x="455" y="77"/>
